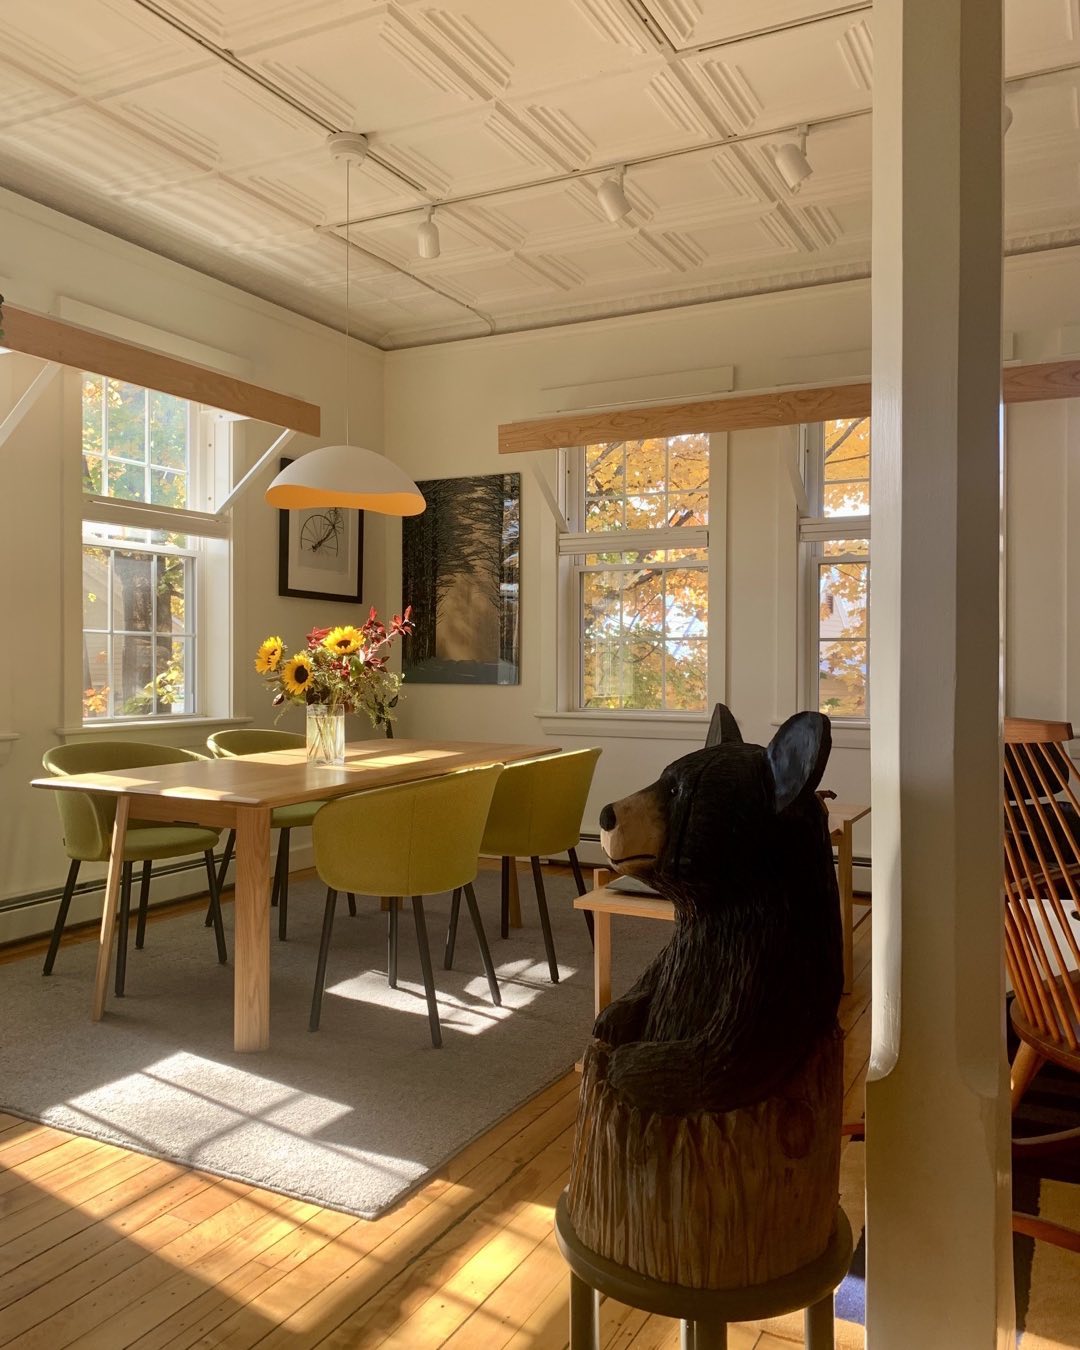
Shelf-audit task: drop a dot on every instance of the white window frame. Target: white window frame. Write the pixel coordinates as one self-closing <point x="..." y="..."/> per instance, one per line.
<point x="209" y="667"/>
<point x="574" y="543"/>
<point x="815" y="530"/>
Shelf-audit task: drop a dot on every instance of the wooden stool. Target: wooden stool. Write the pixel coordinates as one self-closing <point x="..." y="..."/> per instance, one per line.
<point x="705" y="1313"/>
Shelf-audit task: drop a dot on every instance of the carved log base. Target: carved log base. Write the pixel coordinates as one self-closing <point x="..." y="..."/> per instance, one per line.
<point x="710" y="1201"/>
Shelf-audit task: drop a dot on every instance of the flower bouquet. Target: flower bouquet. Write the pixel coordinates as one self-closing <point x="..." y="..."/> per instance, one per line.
<point x="340" y="670"/>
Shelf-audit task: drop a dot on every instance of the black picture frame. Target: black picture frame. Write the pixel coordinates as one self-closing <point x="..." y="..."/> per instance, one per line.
<point x="300" y="569"/>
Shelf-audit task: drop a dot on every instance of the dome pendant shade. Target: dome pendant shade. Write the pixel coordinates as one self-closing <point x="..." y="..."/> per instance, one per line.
<point x="347" y="476"/>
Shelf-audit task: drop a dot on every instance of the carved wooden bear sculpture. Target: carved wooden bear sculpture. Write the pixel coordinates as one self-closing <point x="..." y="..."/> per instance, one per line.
<point x="708" y="1138"/>
<point x="734" y="836"/>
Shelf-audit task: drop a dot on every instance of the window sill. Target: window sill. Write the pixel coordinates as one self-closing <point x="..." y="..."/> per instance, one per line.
<point x="115" y="726"/>
<point x="641" y="726"/>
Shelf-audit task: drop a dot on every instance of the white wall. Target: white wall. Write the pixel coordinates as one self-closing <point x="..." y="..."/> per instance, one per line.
<point x="436" y="411"/>
<point x="47" y="259"/>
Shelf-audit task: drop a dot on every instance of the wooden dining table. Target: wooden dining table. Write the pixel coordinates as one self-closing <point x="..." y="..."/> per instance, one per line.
<point x="240" y="794"/>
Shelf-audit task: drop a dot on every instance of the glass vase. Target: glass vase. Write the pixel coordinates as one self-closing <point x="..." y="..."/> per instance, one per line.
<point x="325" y="734"/>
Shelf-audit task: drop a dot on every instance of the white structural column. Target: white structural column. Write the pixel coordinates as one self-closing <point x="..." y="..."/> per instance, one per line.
<point x="938" y="1256"/>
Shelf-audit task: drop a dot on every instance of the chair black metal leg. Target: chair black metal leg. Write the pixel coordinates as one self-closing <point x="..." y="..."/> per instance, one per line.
<point x="352" y="904"/>
<point x="275" y="888"/>
<point x="504" y="912"/>
<point x="144" y="904"/>
<point x="485" y="953"/>
<point x="391" y="941"/>
<point x="545" y="920"/>
<point x="320" y="969"/>
<point x="61" y="916"/>
<point x="215" y="908"/>
<point x="283" y="884"/>
<point x="122" y="931"/>
<point x="226" y="859"/>
<point x="579" y="882"/>
<point x="425" y="966"/>
<point x="451" y="930"/>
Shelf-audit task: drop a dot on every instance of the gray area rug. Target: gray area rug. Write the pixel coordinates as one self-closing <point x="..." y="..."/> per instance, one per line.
<point x="353" y="1116"/>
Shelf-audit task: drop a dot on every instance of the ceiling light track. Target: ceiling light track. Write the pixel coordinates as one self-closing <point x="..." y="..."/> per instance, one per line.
<point x="334" y="233"/>
<point x="612" y="171"/>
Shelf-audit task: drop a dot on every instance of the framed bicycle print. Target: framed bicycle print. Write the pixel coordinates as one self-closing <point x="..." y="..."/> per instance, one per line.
<point x="321" y="552"/>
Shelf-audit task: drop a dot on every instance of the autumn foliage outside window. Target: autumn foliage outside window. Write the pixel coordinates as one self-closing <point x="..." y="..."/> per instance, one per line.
<point x="838" y="537"/>
<point x="640" y="574"/>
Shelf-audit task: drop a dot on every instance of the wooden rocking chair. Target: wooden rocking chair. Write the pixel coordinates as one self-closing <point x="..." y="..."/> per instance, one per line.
<point x="1042" y="954"/>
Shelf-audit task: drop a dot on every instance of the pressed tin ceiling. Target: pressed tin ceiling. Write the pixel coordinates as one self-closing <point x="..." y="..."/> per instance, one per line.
<point x="197" y="128"/>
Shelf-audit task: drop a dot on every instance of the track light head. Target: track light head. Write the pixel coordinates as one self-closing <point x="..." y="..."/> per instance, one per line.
<point x="791" y="162"/>
<point x="613" y="200"/>
<point x="427" y="237"/>
<point x="347" y="145"/>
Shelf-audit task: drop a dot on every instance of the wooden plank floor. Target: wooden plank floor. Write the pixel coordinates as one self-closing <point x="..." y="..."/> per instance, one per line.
<point x="103" y="1249"/>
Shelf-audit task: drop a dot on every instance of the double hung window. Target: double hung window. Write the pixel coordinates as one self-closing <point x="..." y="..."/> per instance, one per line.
<point x="636" y="561"/>
<point x="837" y="539"/>
<point x="144" y="550"/>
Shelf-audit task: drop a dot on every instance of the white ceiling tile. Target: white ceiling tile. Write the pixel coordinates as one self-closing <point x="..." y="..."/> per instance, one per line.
<point x="377" y="70"/>
<point x="693" y="22"/>
<point x="220" y="116"/>
<point x="94" y="148"/>
<point x="491" y="146"/>
<point x="1040" y="33"/>
<point x="616" y="117"/>
<point x="90" y="46"/>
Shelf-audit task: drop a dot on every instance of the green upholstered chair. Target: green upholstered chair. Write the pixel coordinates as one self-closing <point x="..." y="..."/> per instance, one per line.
<point x="409" y="841"/>
<point x="536" y="811"/>
<point x="257" y="741"/>
<point x="87" y="823"/>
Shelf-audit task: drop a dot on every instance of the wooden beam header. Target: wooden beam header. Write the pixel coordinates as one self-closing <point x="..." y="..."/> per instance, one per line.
<point x="746" y="412"/>
<point x="83" y="349"/>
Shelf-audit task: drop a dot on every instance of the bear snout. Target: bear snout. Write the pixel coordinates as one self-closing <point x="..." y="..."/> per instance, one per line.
<point x="633" y="832"/>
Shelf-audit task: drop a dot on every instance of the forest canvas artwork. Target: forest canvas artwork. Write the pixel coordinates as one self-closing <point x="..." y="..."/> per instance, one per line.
<point x="461" y="574"/>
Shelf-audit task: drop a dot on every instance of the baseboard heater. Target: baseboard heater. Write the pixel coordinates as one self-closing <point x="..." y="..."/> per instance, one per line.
<point x="46" y="897"/>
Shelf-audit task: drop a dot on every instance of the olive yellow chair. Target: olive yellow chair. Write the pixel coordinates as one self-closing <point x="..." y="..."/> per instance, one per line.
<point x="413" y="840"/>
<point x="256" y="741"/>
<point x="87" y="823"/>
<point x="536" y="811"/>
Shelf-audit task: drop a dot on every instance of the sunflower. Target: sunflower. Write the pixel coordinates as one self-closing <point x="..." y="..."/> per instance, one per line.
<point x="268" y="656"/>
<point x="296" y="675"/>
<point x="343" y="641"/>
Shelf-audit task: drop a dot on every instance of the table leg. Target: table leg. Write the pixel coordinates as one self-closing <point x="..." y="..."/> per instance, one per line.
<point x="843" y="868"/>
<point x="112" y="897"/>
<point x="601" y="961"/>
<point x="515" y="896"/>
<point x="251" y="943"/>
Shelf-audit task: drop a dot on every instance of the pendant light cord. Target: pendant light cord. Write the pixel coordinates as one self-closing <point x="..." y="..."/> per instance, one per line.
<point x="348" y="251"/>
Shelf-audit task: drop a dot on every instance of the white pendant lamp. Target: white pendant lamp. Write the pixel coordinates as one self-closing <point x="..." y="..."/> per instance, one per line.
<point x="346" y="475"/>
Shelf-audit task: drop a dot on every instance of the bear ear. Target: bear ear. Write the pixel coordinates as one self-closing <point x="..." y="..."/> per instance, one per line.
<point x="723" y="729"/>
<point x="797" y="756"/>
